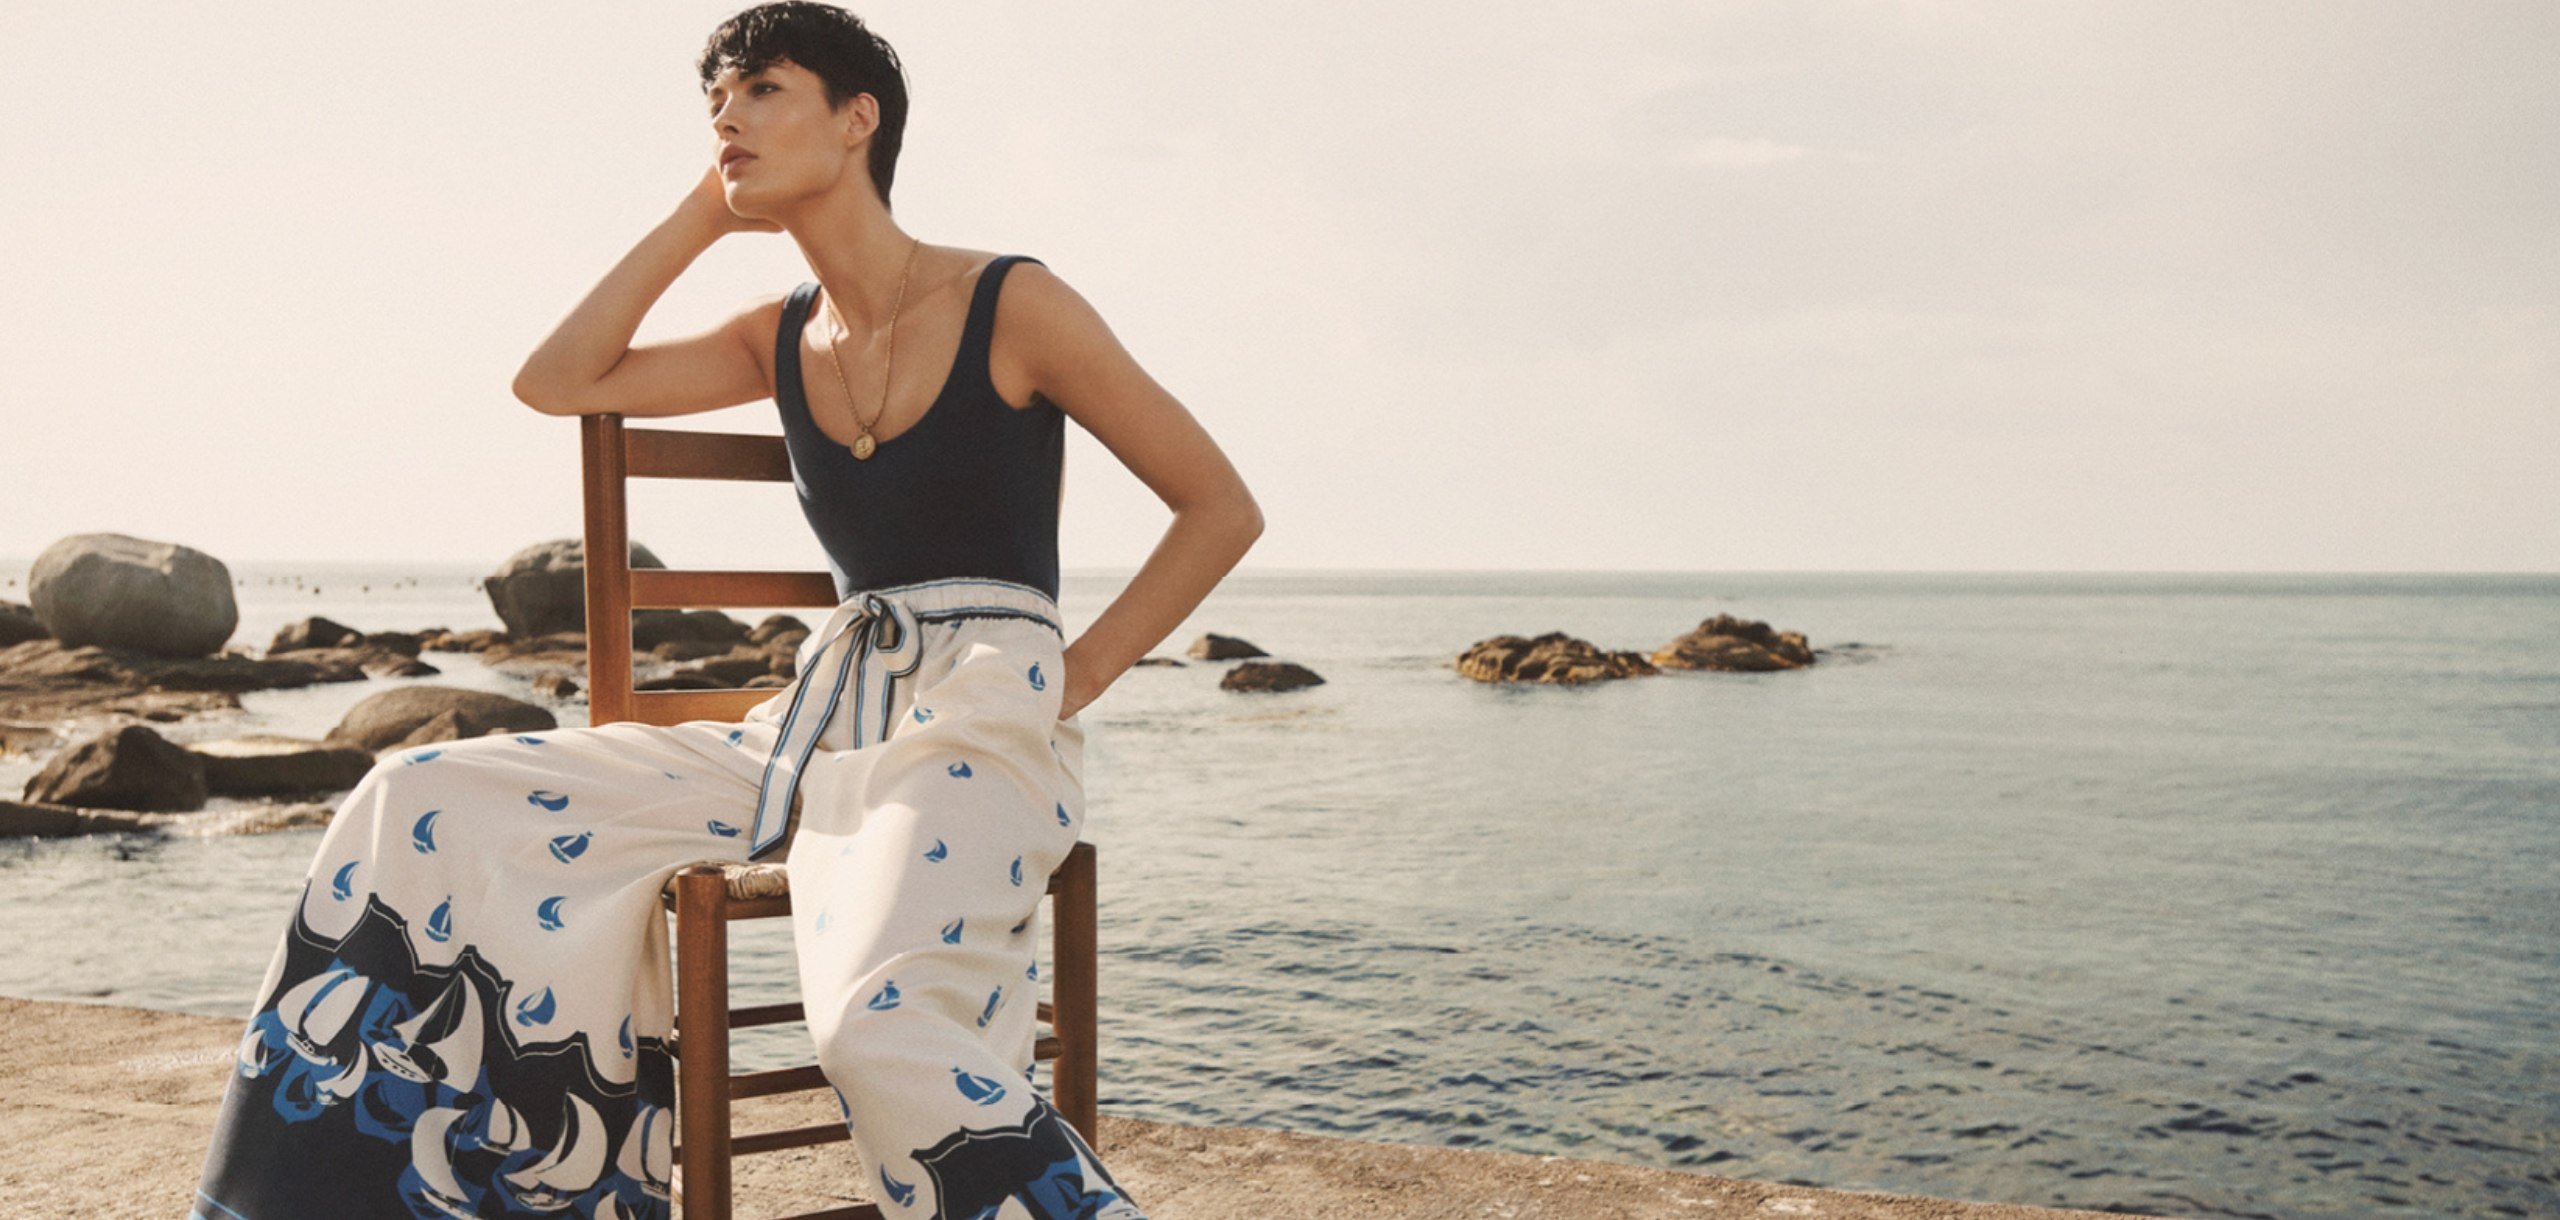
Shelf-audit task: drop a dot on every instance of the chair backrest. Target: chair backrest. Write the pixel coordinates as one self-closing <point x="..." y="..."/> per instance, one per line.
<point x="612" y="454"/>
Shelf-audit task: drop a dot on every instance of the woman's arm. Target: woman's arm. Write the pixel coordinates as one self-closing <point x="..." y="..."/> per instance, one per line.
<point x="1076" y="362"/>
<point x="587" y="364"/>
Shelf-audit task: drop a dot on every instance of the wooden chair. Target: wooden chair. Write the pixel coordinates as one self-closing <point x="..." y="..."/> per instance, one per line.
<point x="705" y="897"/>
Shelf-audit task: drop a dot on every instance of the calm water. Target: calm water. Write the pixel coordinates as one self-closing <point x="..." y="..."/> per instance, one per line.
<point x="2204" y="895"/>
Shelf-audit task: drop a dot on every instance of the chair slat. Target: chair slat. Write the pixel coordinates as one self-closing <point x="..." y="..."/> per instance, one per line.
<point x="729" y="705"/>
<point x="777" y="1080"/>
<point x="766" y="1014"/>
<point x="674" y="453"/>
<point x="789" y="1137"/>
<point x="701" y="588"/>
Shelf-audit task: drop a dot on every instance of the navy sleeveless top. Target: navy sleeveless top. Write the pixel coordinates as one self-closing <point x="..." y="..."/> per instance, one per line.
<point x="969" y="489"/>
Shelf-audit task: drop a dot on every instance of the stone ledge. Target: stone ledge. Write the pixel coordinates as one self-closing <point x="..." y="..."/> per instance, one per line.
<point x="109" y="1111"/>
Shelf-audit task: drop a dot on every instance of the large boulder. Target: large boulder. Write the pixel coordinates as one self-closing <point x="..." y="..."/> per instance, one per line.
<point x="542" y="589"/>
<point x="118" y="591"/>
<point x="127" y="768"/>
<point x="418" y="715"/>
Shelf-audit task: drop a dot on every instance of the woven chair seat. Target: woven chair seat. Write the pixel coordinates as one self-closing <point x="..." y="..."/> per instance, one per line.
<point x="746" y="882"/>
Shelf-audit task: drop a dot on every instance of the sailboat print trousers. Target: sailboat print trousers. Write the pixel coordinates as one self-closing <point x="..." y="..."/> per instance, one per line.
<point x="468" y="1014"/>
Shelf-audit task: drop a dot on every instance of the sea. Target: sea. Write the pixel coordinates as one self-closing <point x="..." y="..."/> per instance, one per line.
<point x="2195" y="894"/>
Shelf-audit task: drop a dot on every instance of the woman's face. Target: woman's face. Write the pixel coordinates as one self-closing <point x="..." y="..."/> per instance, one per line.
<point x="793" y="145"/>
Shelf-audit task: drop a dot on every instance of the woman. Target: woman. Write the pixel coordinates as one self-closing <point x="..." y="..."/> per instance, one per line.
<point x="468" y="1013"/>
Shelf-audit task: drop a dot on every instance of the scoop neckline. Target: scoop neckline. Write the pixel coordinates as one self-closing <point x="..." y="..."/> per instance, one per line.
<point x="950" y="378"/>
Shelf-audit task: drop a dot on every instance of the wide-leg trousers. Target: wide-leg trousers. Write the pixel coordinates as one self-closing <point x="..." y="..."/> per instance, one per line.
<point x="468" y="1013"/>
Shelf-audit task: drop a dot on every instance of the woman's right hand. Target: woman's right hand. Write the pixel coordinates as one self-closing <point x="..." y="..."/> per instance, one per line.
<point x="710" y="200"/>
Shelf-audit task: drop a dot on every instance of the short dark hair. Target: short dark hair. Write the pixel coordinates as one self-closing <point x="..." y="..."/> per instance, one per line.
<point x="831" y="42"/>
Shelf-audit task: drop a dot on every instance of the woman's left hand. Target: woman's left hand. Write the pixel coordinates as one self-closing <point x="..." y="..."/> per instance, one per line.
<point x="1072" y="695"/>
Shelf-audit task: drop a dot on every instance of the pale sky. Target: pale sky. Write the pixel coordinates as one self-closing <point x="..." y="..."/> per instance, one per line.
<point x="1846" y="286"/>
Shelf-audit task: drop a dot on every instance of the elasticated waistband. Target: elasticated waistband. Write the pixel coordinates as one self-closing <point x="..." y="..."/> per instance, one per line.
<point x="970" y="597"/>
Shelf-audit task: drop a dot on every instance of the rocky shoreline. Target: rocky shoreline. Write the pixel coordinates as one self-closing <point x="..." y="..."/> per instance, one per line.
<point x="122" y="633"/>
<point x="111" y="1109"/>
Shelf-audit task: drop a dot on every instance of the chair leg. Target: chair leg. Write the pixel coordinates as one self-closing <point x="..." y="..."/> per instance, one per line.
<point x="702" y="1039"/>
<point x="1075" y="991"/>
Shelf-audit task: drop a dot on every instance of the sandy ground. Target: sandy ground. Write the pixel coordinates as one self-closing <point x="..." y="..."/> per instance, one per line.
<point x="105" y="1113"/>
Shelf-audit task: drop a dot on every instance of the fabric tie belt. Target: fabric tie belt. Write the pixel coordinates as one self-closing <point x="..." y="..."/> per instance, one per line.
<point x="867" y="641"/>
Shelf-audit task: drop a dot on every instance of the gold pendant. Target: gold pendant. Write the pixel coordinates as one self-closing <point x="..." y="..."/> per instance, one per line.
<point x="862" y="446"/>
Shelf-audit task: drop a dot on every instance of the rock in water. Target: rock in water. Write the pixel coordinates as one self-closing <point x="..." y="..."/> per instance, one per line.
<point x="542" y="589"/>
<point x="1215" y="647"/>
<point x="268" y="764"/>
<point x="1269" y="676"/>
<point x="128" y="768"/>
<point x="1553" y="657"/>
<point x="317" y="632"/>
<point x="1729" y="643"/>
<point x="19" y="624"/>
<point x="417" y="715"/>
<point x="118" y="591"/>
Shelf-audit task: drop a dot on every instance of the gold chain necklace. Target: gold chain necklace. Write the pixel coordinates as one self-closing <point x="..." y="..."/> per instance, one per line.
<point x="863" y="445"/>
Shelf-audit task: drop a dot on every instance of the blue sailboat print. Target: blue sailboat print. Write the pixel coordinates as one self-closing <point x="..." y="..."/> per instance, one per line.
<point x="343" y="885"/>
<point x="951" y="931"/>
<point x="977" y="1088"/>
<point x="1017" y="870"/>
<point x="423" y="835"/>
<point x="988" y="1013"/>
<point x="923" y="713"/>
<point x="530" y="740"/>
<point x="547" y="799"/>
<point x="904" y="1194"/>
<point x="566" y="848"/>
<point x="548" y="914"/>
<point x="419" y="757"/>
<point x="537" y="1008"/>
<point x="959" y="770"/>
<point x="1038" y="682"/>
<point x="939" y="852"/>
<point x="722" y="829"/>
<point x="887" y="998"/>
<point x="440" y="923"/>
